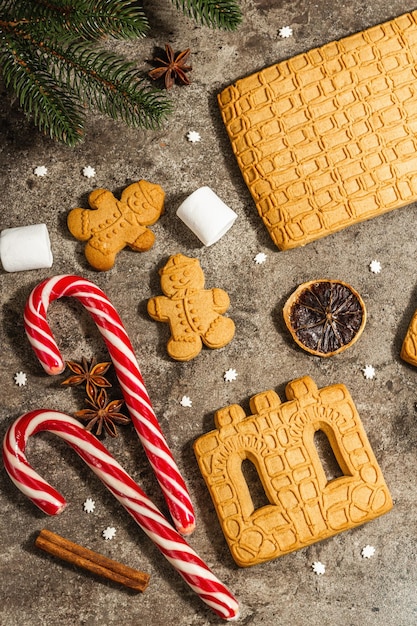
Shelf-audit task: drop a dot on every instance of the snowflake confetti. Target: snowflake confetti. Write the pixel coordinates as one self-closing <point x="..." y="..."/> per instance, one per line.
<point x="230" y="374"/>
<point x="285" y="31"/>
<point x="318" y="568"/>
<point x="186" y="401"/>
<point x="369" y="372"/>
<point x="260" y="258"/>
<point x="193" y="136"/>
<point x="40" y="170"/>
<point x="20" y="379"/>
<point x="375" y="267"/>
<point x="368" y="551"/>
<point x="109" y="533"/>
<point x="89" y="505"/>
<point x="89" y="172"/>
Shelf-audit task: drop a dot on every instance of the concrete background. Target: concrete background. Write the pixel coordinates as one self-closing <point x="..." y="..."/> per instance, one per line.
<point x="354" y="591"/>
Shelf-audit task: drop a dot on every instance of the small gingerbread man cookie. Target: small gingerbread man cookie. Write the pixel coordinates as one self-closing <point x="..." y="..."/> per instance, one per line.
<point x="114" y="224"/>
<point x="193" y="313"/>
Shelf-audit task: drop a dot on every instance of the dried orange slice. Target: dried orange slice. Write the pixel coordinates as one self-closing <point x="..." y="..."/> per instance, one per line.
<point x="325" y="316"/>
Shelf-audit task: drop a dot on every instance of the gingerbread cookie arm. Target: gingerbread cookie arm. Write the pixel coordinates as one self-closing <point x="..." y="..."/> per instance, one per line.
<point x="221" y="300"/>
<point x="144" y="241"/>
<point x="159" y="308"/>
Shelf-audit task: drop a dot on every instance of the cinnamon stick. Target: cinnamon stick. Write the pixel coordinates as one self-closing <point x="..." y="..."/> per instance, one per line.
<point x="91" y="561"/>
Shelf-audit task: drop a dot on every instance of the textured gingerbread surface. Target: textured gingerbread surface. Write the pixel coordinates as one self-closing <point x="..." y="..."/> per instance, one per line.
<point x="327" y="138"/>
<point x="194" y="314"/>
<point x="409" y="345"/>
<point x="278" y="438"/>
<point x="111" y="224"/>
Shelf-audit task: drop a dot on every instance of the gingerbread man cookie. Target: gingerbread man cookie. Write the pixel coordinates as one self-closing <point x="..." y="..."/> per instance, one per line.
<point x="193" y="313"/>
<point x="114" y="224"/>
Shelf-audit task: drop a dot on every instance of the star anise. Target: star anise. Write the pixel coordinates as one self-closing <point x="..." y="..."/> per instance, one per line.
<point x="173" y="67"/>
<point x="103" y="413"/>
<point x="89" y="373"/>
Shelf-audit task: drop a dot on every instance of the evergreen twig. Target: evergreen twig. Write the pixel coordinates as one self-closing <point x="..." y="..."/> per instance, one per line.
<point x="51" y="60"/>
<point x="224" y="14"/>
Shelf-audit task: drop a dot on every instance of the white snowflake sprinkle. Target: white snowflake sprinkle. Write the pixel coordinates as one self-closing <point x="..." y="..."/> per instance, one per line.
<point x="369" y="372"/>
<point x="193" y="136"/>
<point x="368" y="551"/>
<point x="186" y="401"/>
<point x="285" y="31"/>
<point x="89" y="172"/>
<point x="260" y="258"/>
<point x="375" y="267"/>
<point x="20" y="379"/>
<point x="230" y="374"/>
<point x="89" y="505"/>
<point x="40" y="170"/>
<point x="318" y="568"/>
<point x="109" y="532"/>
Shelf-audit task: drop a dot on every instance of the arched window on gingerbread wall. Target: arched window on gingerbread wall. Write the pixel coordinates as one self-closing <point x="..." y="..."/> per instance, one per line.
<point x="254" y="483"/>
<point x="330" y="457"/>
<point x="247" y="483"/>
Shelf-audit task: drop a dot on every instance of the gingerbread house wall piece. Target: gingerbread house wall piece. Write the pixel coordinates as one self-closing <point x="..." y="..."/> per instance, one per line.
<point x="326" y="139"/>
<point x="278" y="438"/>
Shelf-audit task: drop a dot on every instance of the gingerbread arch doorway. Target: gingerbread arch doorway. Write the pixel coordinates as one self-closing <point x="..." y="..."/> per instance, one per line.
<point x="257" y="492"/>
<point x="326" y="454"/>
<point x="327" y="457"/>
<point x="250" y="481"/>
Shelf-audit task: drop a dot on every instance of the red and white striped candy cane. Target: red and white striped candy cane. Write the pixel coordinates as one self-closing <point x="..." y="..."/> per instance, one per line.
<point x="175" y="549"/>
<point x="128" y="373"/>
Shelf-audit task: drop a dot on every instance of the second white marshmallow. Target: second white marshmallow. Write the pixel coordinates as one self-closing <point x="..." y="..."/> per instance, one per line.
<point x="206" y="215"/>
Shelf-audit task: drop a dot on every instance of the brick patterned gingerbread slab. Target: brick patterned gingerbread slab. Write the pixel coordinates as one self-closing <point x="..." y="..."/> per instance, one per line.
<point x="328" y="138"/>
<point x="303" y="505"/>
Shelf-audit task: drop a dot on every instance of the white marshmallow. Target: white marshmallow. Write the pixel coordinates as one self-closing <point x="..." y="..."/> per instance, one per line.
<point x="25" y="248"/>
<point x="206" y="215"/>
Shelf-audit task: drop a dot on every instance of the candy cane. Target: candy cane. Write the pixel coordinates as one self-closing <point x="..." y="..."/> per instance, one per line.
<point x="170" y="543"/>
<point x="128" y="373"/>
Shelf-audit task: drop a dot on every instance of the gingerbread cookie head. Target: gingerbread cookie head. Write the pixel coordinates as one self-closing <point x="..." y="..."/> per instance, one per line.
<point x="194" y="314"/>
<point x="180" y="276"/>
<point x="112" y="224"/>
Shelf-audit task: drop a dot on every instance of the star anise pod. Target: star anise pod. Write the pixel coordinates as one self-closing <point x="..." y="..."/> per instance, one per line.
<point x="103" y="413"/>
<point x="89" y="373"/>
<point x="173" y="67"/>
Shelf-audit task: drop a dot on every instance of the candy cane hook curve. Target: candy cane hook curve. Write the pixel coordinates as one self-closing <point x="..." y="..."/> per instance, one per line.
<point x="169" y="542"/>
<point x="128" y="373"/>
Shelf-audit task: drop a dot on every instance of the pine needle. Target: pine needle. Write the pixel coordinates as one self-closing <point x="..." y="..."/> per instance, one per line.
<point x="224" y="14"/>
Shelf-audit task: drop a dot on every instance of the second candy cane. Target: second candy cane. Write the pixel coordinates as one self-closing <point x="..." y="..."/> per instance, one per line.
<point x="182" y="557"/>
<point x="128" y="373"/>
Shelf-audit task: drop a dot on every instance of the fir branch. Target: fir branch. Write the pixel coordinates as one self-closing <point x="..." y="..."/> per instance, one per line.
<point x="88" y="19"/>
<point x="56" y="75"/>
<point x="107" y="82"/>
<point x="224" y="14"/>
<point x="49" y="59"/>
<point x="52" y="111"/>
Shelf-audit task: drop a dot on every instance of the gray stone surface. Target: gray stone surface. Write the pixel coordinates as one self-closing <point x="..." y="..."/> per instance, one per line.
<point x="354" y="591"/>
